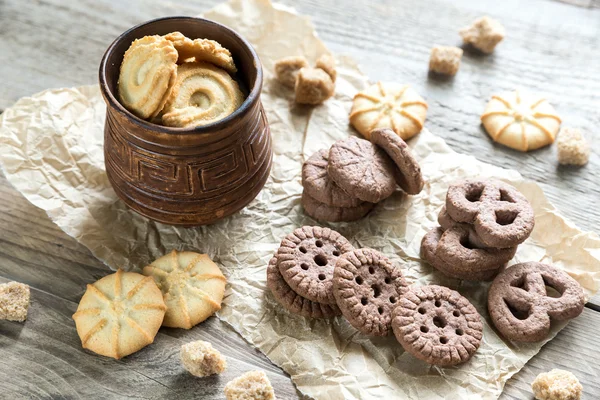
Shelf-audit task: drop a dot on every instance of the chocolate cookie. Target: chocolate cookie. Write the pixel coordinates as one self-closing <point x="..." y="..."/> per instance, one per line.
<point x="319" y="186"/>
<point x="522" y="309"/>
<point x="450" y="252"/>
<point x="367" y="287"/>
<point x="446" y="222"/>
<point x="361" y="168"/>
<point x="437" y="325"/>
<point x="501" y="215"/>
<point x="292" y="301"/>
<point x="307" y="257"/>
<point x="323" y="212"/>
<point x="409" y="177"/>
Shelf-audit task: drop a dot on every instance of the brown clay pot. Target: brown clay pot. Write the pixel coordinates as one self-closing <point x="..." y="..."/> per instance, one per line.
<point x="187" y="176"/>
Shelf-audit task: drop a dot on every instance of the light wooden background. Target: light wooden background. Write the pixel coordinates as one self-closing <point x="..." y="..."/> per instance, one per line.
<point x="551" y="47"/>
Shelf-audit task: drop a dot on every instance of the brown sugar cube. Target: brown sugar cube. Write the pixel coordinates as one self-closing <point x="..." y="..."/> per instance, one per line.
<point x="327" y="63"/>
<point x="313" y="86"/>
<point x="200" y="359"/>
<point x="556" y="385"/>
<point x="445" y="60"/>
<point x="484" y="34"/>
<point x="572" y="147"/>
<point x="253" y="385"/>
<point x="287" y="68"/>
<point x="14" y="301"/>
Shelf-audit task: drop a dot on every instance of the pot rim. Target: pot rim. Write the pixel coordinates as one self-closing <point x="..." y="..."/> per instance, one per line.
<point x="251" y="99"/>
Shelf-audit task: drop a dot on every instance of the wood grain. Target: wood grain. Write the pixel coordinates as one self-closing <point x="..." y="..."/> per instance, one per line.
<point x="551" y="48"/>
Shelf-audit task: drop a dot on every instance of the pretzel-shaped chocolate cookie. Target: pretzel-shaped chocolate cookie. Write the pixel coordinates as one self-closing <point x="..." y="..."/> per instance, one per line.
<point x="501" y="215"/>
<point x="520" y="306"/>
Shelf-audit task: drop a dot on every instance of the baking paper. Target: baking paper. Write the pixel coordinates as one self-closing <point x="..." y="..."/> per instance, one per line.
<point x="51" y="151"/>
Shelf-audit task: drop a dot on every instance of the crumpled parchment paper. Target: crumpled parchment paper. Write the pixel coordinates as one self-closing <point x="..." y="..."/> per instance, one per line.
<point x="51" y="151"/>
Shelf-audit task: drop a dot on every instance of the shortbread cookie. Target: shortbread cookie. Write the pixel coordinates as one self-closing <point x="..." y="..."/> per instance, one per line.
<point x="119" y="314"/>
<point x="445" y="60"/>
<point x="361" y="168"/>
<point x="409" y="177"/>
<point x="327" y="63"/>
<point x="202" y="50"/>
<point x="313" y="86"/>
<point x="501" y="215"/>
<point x="557" y="384"/>
<point x="572" y="147"/>
<point x="147" y="75"/>
<point x="306" y="259"/>
<point x="388" y="105"/>
<point x="292" y="301"/>
<point x="200" y="359"/>
<point x="367" y="287"/>
<point x="437" y="325"/>
<point x="192" y="286"/>
<point x="14" y="301"/>
<point x="253" y="385"/>
<point x="520" y="120"/>
<point x="323" y="212"/>
<point x="202" y="94"/>
<point x="484" y="34"/>
<point x="320" y="186"/>
<point x="520" y="307"/>
<point x="287" y="68"/>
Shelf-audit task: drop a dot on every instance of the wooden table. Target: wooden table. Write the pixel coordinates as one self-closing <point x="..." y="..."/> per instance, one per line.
<point x="551" y="48"/>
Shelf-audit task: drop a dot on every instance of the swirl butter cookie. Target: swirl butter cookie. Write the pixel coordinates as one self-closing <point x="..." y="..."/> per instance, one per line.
<point x="521" y="307"/>
<point x="147" y="75"/>
<point x="388" y="105"/>
<point x="202" y="94"/>
<point x="320" y="186"/>
<point x="193" y="287"/>
<point x="291" y="300"/>
<point x="202" y="50"/>
<point x="437" y="325"/>
<point x="306" y="259"/>
<point x="361" y="168"/>
<point x="119" y="314"/>
<point x="367" y="287"/>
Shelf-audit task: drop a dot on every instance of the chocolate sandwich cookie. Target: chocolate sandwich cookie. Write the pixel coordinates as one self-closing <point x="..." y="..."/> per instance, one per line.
<point x="292" y="301"/>
<point x="318" y="185"/>
<point x="306" y="259"/>
<point x="520" y="307"/>
<point x="408" y="174"/>
<point x="501" y="215"/>
<point x="367" y="287"/>
<point x="323" y="212"/>
<point x="437" y="325"/>
<point x="361" y="168"/>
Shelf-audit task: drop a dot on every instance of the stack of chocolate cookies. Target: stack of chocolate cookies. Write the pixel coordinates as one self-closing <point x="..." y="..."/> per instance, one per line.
<point x="345" y="182"/>
<point x="481" y="225"/>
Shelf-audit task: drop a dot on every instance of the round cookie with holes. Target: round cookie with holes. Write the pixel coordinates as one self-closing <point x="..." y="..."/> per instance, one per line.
<point x="292" y="301"/>
<point x="437" y="325"/>
<point x="306" y="259"/>
<point x="367" y="287"/>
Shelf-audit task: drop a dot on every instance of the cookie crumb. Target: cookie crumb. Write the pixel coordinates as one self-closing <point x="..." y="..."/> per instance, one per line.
<point x="573" y="149"/>
<point x="327" y="63"/>
<point x="287" y="68"/>
<point x="253" y="385"/>
<point x="557" y="384"/>
<point x="484" y="34"/>
<point x="445" y="60"/>
<point x="14" y="301"/>
<point x="313" y="86"/>
<point x="201" y="359"/>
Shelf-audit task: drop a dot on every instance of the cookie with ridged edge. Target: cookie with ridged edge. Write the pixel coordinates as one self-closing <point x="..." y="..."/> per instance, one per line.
<point x="437" y="325"/>
<point x="323" y="212"/>
<point x="306" y="259"/>
<point x="367" y="287"/>
<point x="291" y="300"/>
